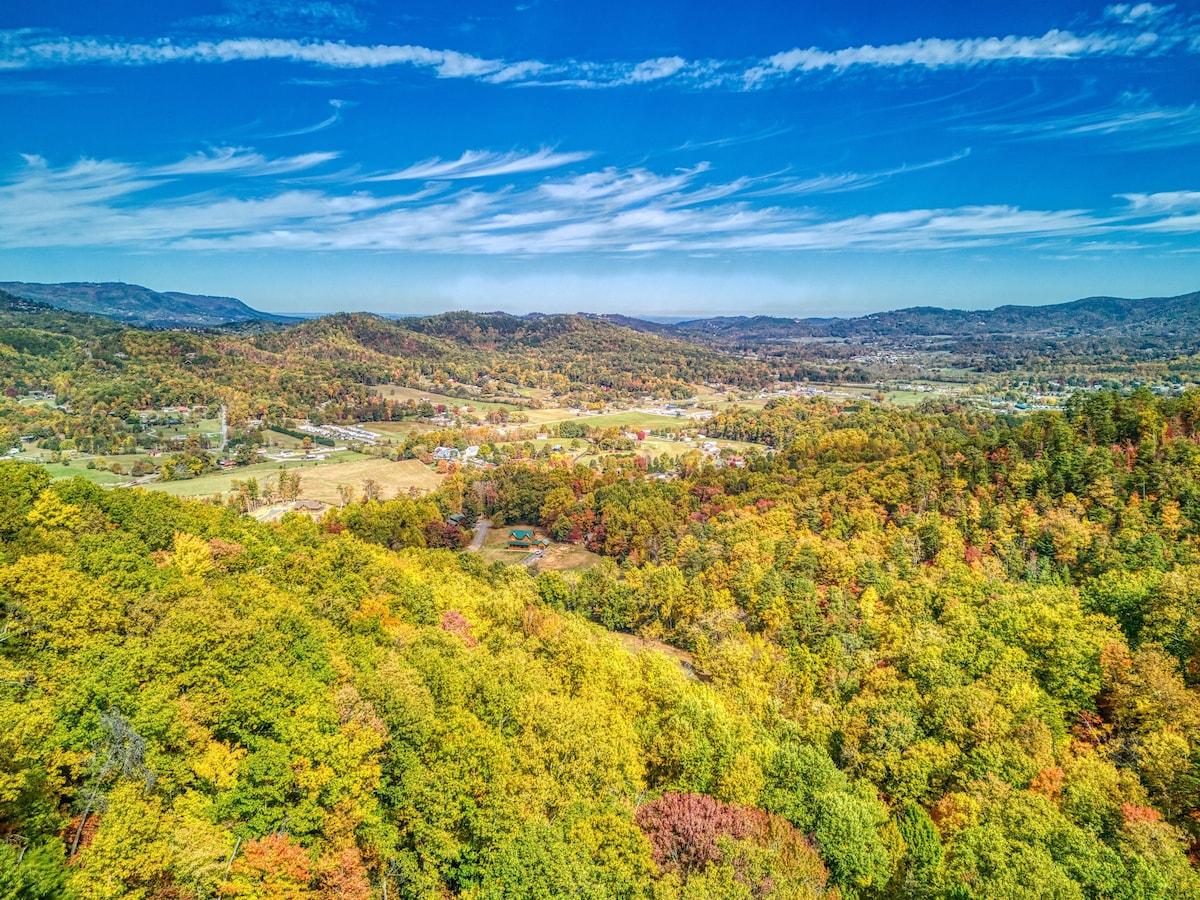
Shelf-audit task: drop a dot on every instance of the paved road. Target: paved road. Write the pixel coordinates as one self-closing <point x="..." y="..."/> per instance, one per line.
<point x="533" y="557"/>
<point x="482" y="527"/>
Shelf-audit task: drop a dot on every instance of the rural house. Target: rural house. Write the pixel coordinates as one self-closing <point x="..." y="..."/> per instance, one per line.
<point x="523" y="539"/>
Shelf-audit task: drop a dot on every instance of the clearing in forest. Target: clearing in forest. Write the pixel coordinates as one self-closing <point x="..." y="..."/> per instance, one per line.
<point x="321" y="483"/>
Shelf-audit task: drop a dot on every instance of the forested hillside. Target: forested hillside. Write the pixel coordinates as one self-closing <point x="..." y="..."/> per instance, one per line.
<point x="137" y="305"/>
<point x="928" y="654"/>
<point x="1108" y="339"/>
<point x="196" y="706"/>
<point x="565" y="354"/>
<point x="1090" y="318"/>
<point x="96" y="365"/>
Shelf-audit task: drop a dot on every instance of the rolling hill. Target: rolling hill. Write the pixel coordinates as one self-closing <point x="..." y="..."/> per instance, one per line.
<point x="140" y="306"/>
<point x="1091" y="317"/>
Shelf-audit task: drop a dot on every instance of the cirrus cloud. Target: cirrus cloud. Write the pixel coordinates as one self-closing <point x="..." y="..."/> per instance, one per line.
<point x="606" y="211"/>
<point x="1125" y="31"/>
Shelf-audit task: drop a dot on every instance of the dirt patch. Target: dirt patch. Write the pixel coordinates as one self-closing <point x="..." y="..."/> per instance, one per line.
<point x="567" y="558"/>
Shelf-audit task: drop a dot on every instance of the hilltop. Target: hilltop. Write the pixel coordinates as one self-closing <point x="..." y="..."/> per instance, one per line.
<point x="561" y="352"/>
<point x="141" y="306"/>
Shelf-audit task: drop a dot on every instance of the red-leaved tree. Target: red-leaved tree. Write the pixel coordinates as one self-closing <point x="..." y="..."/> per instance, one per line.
<point x="683" y="829"/>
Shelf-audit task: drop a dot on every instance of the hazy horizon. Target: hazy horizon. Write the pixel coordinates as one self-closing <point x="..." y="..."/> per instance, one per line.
<point x="647" y="317"/>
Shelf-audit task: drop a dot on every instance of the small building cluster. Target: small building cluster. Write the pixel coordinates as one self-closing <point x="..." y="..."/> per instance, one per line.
<point x="524" y="539"/>
<point x="342" y="432"/>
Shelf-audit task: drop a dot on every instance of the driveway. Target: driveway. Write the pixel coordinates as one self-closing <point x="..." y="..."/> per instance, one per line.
<point x="533" y="557"/>
<point x="482" y="527"/>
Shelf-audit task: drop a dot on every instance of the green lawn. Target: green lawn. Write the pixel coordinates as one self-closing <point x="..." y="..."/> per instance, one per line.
<point x="99" y="476"/>
<point x="279" y="439"/>
<point x="196" y="426"/>
<point x="632" y="420"/>
<point x="753" y="403"/>
<point x="102" y="474"/>
<point x="908" y="398"/>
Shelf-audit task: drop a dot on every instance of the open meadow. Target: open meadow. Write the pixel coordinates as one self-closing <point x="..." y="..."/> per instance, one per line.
<point x="392" y="478"/>
<point x="319" y="479"/>
<point x="628" y="419"/>
<point x="399" y="392"/>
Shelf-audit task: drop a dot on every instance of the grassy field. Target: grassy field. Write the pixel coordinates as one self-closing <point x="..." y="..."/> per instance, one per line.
<point x="537" y="417"/>
<point x="396" y="392"/>
<point x="279" y="439"/>
<point x="393" y="478"/>
<point x="705" y="394"/>
<point x="78" y="466"/>
<point x="99" y="476"/>
<point x="631" y="420"/>
<point x="397" y="430"/>
<point x="752" y="403"/>
<point x="547" y="415"/>
<point x="221" y="482"/>
<point x="195" y="426"/>
<point x="657" y="447"/>
<point x="936" y="390"/>
<point x="909" y="398"/>
<point x="319" y="479"/>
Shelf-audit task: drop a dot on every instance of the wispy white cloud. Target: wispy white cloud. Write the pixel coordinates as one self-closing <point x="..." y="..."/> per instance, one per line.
<point x="935" y="53"/>
<point x="239" y="161"/>
<point x="656" y="69"/>
<point x="25" y="49"/>
<point x="1133" y="122"/>
<point x="734" y="140"/>
<point x="482" y="164"/>
<point x="73" y="205"/>
<point x="1124" y="31"/>
<point x="1136" y="13"/>
<point x="328" y="122"/>
<point x="849" y="181"/>
<point x="518" y="72"/>
<point x="613" y="188"/>
<point x="599" y="75"/>
<point x="1163" y="202"/>
<point x="610" y="211"/>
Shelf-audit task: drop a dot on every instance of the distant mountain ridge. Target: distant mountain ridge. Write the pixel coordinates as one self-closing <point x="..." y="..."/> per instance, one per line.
<point x="1161" y="318"/>
<point x="141" y="306"/>
<point x="1092" y="316"/>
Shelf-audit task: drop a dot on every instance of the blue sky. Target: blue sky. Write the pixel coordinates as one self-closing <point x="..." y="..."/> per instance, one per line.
<point x="665" y="158"/>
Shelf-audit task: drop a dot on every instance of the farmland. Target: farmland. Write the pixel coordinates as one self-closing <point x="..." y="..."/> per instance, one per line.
<point x="319" y="480"/>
